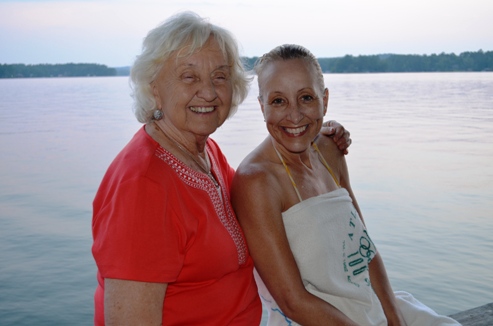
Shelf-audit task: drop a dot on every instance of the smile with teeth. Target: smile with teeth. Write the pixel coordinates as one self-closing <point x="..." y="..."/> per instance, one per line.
<point x="295" y="131"/>
<point x="202" y="109"/>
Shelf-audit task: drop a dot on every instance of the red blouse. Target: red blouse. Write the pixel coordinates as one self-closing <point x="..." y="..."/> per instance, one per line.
<point x="156" y="220"/>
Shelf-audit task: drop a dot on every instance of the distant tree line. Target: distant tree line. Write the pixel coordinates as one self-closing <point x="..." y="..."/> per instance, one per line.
<point x="466" y="61"/>
<point x="56" y="70"/>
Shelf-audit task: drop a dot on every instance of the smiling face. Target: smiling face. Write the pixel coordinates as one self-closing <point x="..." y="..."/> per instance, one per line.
<point x="195" y="92"/>
<point x="293" y="102"/>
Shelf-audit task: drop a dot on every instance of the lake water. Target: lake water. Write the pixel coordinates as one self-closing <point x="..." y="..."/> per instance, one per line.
<point x="420" y="164"/>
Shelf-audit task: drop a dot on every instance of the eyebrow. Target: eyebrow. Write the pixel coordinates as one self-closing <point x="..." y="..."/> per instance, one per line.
<point x="223" y="67"/>
<point x="304" y="89"/>
<point x="186" y="65"/>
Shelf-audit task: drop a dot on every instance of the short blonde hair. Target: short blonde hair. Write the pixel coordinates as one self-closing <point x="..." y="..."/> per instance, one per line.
<point x="290" y="52"/>
<point x="188" y="33"/>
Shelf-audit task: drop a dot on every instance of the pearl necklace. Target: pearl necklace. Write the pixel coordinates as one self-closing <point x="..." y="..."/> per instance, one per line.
<point x="206" y="169"/>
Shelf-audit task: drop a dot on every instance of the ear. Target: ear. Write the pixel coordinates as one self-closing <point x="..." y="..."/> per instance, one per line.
<point x="155" y="93"/>
<point x="259" y="98"/>
<point x="326" y="100"/>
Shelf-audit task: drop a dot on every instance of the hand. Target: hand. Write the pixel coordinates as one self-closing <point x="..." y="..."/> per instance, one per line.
<point x="340" y="135"/>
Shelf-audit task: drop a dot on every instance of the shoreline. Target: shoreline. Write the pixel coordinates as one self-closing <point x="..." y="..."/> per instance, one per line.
<point x="479" y="316"/>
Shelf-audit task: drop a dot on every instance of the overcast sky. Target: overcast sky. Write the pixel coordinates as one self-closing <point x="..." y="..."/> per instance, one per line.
<point x="110" y="32"/>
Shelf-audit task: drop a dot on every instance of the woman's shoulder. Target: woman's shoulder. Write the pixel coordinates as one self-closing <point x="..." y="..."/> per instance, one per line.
<point x="257" y="168"/>
<point x="256" y="183"/>
<point x="333" y="155"/>
<point x="329" y="150"/>
<point x="327" y="145"/>
<point x="254" y="165"/>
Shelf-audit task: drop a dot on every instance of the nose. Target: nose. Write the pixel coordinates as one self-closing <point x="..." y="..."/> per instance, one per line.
<point x="207" y="91"/>
<point x="295" y="113"/>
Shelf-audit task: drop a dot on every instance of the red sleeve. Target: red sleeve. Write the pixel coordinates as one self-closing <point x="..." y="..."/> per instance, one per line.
<point x="136" y="234"/>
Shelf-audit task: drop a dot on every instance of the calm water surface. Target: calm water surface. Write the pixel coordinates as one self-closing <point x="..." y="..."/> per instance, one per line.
<point x="420" y="166"/>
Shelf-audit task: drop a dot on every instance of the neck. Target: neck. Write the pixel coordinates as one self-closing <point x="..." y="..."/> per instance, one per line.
<point x="197" y="155"/>
<point x="194" y="143"/>
<point x="200" y="160"/>
<point x="303" y="158"/>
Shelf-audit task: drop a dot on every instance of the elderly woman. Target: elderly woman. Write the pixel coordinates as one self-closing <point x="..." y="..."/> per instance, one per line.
<point x="316" y="263"/>
<point x="167" y="244"/>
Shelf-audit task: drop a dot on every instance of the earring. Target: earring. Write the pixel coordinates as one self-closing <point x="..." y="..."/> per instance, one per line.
<point x="157" y="115"/>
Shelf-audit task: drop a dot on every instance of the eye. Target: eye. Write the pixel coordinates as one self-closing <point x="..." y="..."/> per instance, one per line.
<point x="307" y="98"/>
<point x="277" y="101"/>
<point x="219" y="77"/>
<point x="188" y="77"/>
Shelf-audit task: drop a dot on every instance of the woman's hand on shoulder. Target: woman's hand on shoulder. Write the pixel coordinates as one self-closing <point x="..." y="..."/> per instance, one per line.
<point x="338" y="133"/>
<point x="133" y="303"/>
<point x="337" y="162"/>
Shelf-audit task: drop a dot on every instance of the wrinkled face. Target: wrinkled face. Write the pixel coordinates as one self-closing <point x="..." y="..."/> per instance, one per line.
<point x="195" y="92"/>
<point x="292" y="102"/>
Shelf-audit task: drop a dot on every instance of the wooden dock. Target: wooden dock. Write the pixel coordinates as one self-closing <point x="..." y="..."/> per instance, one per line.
<point x="480" y="316"/>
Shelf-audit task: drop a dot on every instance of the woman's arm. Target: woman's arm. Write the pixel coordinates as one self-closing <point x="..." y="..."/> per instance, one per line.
<point x="381" y="285"/>
<point x="256" y="197"/>
<point x="133" y="303"/>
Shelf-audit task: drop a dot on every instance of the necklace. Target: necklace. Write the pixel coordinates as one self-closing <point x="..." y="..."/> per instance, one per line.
<point x="321" y="158"/>
<point x="206" y="169"/>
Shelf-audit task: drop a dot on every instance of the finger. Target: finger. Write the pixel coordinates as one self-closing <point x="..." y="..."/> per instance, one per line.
<point x="328" y="131"/>
<point x="345" y="136"/>
<point x="339" y="134"/>
<point x="342" y="132"/>
<point x="345" y="142"/>
<point x="328" y="123"/>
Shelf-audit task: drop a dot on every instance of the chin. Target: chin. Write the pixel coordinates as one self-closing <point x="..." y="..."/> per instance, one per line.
<point x="296" y="147"/>
<point x="205" y="131"/>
